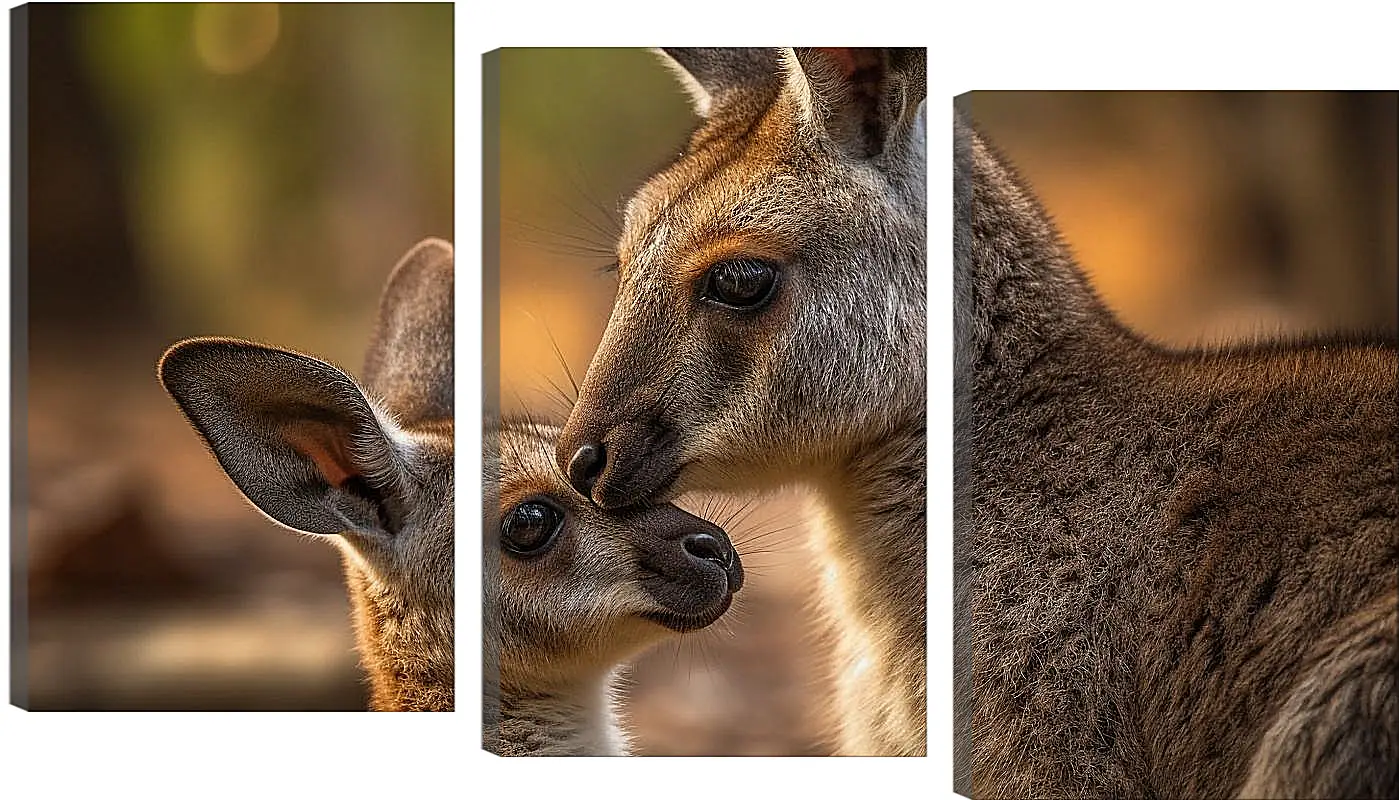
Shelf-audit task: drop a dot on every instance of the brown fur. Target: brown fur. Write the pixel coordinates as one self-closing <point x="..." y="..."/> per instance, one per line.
<point x="813" y="161"/>
<point x="1176" y="571"/>
<point x="367" y="467"/>
<point x="406" y="631"/>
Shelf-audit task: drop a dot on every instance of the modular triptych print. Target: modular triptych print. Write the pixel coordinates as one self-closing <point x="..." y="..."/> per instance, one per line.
<point x="1171" y="501"/>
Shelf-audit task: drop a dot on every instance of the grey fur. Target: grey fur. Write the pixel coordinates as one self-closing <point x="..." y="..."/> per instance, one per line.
<point x="715" y="76"/>
<point x="262" y="410"/>
<point x="415" y="318"/>
<point x="557" y="625"/>
<point x="309" y="447"/>
<point x="1175" y="571"/>
<point x="825" y="387"/>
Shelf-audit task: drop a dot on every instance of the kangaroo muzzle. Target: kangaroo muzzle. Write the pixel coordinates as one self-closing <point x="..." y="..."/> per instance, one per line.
<point x="695" y="570"/>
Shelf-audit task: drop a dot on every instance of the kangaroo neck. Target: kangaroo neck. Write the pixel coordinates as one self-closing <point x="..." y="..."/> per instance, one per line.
<point x="406" y="671"/>
<point x="872" y="506"/>
<point x="1020" y="298"/>
<point x="869" y="535"/>
<point x="562" y="721"/>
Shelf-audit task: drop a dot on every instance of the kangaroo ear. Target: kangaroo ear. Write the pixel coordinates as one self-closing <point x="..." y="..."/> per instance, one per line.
<point x="863" y="98"/>
<point x="713" y="76"/>
<point x="409" y="364"/>
<point x="295" y="434"/>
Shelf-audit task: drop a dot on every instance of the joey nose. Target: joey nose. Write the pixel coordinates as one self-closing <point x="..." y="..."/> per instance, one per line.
<point x="708" y="548"/>
<point x="702" y="547"/>
<point x="585" y="466"/>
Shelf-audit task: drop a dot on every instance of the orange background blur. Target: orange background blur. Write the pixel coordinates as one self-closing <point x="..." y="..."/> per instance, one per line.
<point x="1217" y="216"/>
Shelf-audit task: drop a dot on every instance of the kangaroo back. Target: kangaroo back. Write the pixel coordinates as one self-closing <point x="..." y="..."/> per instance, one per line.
<point x="1175" y="570"/>
<point x="368" y="467"/>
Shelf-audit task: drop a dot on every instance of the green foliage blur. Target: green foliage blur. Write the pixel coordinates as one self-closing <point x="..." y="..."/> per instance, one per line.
<point x="276" y="159"/>
<point x="611" y="114"/>
<point x="580" y="130"/>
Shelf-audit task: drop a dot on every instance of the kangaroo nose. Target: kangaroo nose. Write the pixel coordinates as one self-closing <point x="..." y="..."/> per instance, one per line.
<point x="708" y="548"/>
<point x="585" y="466"/>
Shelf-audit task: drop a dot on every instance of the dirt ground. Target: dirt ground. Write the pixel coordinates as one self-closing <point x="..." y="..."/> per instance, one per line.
<point x="151" y="584"/>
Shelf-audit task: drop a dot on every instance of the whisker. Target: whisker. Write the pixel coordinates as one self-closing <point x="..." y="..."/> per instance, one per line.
<point x="733" y="515"/>
<point x="591" y="224"/>
<point x="568" y="400"/>
<point x="761" y="552"/>
<point x="558" y="242"/>
<point x="558" y="354"/>
<point x="760" y="571"/>
<point x="580" y="181"/>
<point x="767" y="533"/>
<point x="563" y="362"/>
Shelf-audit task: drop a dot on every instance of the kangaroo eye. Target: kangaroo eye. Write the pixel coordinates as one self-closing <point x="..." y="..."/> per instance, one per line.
<point x="745" y="283"/>
<point x="529" y="529"/>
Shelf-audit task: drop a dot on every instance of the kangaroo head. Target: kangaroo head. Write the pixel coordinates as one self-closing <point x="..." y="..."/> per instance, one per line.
<point x="769" y="313"/>
<point x="572" y="590"/>
<point x="367" y="466"/>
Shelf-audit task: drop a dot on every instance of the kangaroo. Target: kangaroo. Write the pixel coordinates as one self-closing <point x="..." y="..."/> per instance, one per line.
<point x="366" y="466"/>
<point x="1176" y="571"/>
<point x="769" y="330"/>
<point x="571" y="591"/>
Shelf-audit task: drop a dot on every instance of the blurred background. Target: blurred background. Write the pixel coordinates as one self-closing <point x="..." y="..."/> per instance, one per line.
<point x="1217" y="216"/>
<point x="1200" y="217"/>
<point x="201" y="169"/>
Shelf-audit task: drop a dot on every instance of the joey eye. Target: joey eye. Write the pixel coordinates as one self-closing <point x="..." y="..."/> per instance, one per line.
<point x="744" y="283"/>
<point x="530" y="527"/>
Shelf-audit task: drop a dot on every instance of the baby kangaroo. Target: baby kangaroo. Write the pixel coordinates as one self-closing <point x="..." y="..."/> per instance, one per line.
<point x="367" y="466"/>
<point x="1176" y="571"/>
<point x="769" y="329"/>
<point x="571" y="591"/>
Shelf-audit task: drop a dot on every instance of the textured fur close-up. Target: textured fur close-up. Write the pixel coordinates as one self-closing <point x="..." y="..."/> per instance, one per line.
<point x="1176" y="566"/>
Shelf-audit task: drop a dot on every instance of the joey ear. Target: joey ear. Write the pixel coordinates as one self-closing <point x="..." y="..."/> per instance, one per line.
<point x="409" y="364"/>
<point x="714" y="76"/>
<point x="865" y="99"/>
<point x="295" y="434"/>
